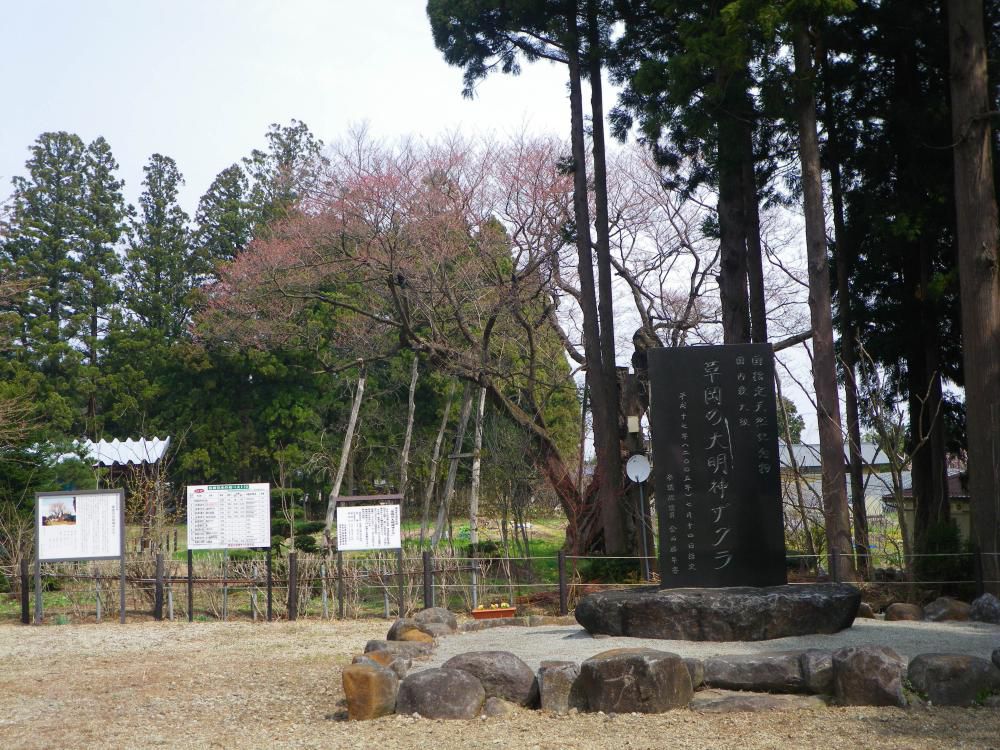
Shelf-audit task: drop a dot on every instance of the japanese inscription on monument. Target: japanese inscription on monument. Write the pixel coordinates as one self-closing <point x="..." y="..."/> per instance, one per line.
<point x="715" y="466"/>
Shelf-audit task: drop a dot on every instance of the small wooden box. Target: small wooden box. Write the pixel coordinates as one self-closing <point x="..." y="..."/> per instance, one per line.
<point x="492" y="614"/>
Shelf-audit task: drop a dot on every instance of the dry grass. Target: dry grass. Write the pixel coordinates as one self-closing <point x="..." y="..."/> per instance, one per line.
<point x="234" y="685"/>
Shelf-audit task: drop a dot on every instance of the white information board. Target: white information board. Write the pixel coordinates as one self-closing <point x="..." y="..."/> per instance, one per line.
<point x="228" y="516"/>
<point x="79" y="525"/>
<point x="367" y="527"/>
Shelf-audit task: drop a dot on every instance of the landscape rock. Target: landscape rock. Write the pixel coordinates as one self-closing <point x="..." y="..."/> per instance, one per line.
<point x="695" y="668"/>
<point x="902" y="611"/>
<point x="497" y="622"/>
<point x="441" y="694"/>
<point x="535" y="620"/>
<point x="944" y="608"/>
<point x="642" y="680"/>
<point x="985" y="609"/>
<point x="996" y="657"/>
<point x="437" y="616"/>
<point x="866" y="612"/>
<point x="398" y="664"/>
<point x="370" y="690"/>
<point x="728" y="701"/>
<point x="436" y="629"/>
<point x="953" y="679"/>
<point x="720" y="614"/>
<point x="778" y="672"/>
<point x="501" y="673"/>
<point x="404" y="629"/>
<point x="868" y="676"/>
<point x="410" y="650"/>
<point x="817" y="671"/>
<point x="497" y="707"/>
<point x="559" y="687"/>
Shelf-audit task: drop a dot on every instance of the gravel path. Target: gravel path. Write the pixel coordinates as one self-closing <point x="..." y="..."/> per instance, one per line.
<point x="241" y="685"/>
<point x="572" y="643"/>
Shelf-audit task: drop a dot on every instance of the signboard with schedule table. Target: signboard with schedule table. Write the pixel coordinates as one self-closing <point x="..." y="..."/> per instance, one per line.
<point x="229" y="516"/>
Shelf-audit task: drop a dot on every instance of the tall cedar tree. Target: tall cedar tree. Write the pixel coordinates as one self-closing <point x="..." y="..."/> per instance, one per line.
<point x="479" y="36"/>
<point x="162" y="265"/>
<point x="105" y="213"/>
<point x="894" y="223"/>
<point x="686" y="83"/>
<point x="979" y="271"/>
<point x="46" y="240"/>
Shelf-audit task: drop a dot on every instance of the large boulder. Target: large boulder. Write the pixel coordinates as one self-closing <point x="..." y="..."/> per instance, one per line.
<point x="722" y="614"/>
<point x="441" y="694"/>
<point x="370" y="690"/>
<point x="901" y="611"/>
<point x="407" y="649"/>
<point x="437" y="616"/>
<point x="778" y="672"/>
<point x="696" y="668"/>
<point x="868" y="676"/>
<point x="502" y="675"/>
<point x="559" y="687"/>
<point x="953" y="679"/>
<point x="945" y="608"/>
<point x="404" y="629"/>
<point x="817" y="671"/>
<point x="642" y="680"/>
<point x="398" y="664"/>
<point x="727" y="701"/>
<point x="985" y="609"/>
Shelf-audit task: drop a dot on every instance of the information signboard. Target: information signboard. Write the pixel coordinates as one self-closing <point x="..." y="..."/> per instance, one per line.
<point x="80" y="525"/>
<point x="229" y="516"/>
<point x="365" y="527"/>
<point x="715" y="466"/>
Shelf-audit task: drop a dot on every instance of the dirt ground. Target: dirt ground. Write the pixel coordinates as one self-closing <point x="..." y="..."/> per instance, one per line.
<point x="231" y="685"/>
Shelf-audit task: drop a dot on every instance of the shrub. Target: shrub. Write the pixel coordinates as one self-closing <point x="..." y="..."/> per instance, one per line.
<point x="309" y="527"/>
<point x="306" y="544"/>
<point x="945" y="559"/>
<point x="610" y="570"/>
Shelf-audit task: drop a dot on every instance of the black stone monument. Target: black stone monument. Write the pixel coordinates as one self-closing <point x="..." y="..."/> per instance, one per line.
<point x="714" y="432"/>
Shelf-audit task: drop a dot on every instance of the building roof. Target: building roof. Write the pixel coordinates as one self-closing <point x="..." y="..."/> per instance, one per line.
<point x="122" y="452"/>
<point x="807" y="456"/>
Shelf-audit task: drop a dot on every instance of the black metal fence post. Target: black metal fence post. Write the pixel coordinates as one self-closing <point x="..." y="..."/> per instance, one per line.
<point x="428" y="580"/>
<point x="402" y="582"/>
<point x="977" y="571"/>
<point x="563" y="593"/>
<point x="158" y="591"/>
<point x="340" y="585"/>
<point x="270" y="586"/>
<point x="25" y="594"/>
<point x="293" y="585"/>
<point x="190" y="591"/>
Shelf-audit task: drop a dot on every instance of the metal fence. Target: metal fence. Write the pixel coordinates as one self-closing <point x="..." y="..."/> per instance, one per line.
<point x="255" y="586"/>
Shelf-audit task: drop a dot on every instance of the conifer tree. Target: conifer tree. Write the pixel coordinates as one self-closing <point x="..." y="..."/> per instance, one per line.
<point x="162" y="266"/>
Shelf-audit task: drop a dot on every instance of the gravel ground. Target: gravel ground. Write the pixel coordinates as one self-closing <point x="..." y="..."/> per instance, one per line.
<point x="572" y="643"/>
<point x="233" y="685"/>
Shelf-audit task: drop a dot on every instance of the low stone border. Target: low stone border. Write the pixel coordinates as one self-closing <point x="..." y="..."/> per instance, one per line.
<point x="645" y="680"/>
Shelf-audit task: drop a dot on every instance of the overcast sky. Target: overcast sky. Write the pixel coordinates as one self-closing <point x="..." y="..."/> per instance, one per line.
<point x="201" y="81"/>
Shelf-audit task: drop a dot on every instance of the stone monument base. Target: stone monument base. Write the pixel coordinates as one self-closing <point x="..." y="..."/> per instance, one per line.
<point x="722" y="614"/>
